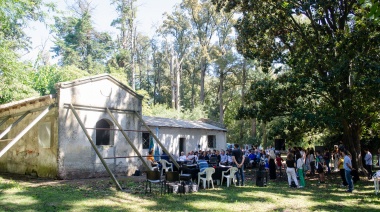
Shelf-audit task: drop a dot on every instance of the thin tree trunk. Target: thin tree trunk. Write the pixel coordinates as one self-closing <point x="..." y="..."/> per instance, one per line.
<point x="221" y="103"/>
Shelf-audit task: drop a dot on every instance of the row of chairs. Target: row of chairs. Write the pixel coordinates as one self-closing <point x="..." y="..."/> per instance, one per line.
<point x="154" y="177"/>
<point x="173" y="177"/>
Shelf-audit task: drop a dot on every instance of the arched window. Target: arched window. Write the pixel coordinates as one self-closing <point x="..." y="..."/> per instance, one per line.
<point x="104" y="132"/>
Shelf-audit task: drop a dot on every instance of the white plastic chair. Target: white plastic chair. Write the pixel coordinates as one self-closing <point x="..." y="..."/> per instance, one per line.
<point x="166" y="165"/>
<point x="209" y="172"/>
<point x="376" y="179"/>
<point x="230" y="177"/>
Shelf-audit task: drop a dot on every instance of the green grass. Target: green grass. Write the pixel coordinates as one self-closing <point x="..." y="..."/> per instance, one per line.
<point x="101" y="195"/>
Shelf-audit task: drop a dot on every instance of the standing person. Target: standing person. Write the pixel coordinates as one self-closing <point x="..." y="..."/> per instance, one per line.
<point x="341" y="170"/>
<point x="336" y="156"/>
<point x="347" y="165"/>
<point x="312" y="161"/>
<point x="272" y="165"/>
<point x="290" y="170"/>
<point x="279" y="163"/>
<point x="238" y="161"/>
<point x="319" y="161"/>
<point x="300" y="165"/>
<point x="327" y="158"/>
<point x="368" y="162"/>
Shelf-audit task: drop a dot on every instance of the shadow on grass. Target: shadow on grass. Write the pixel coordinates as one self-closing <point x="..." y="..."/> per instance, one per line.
<point x="100" y="195"/>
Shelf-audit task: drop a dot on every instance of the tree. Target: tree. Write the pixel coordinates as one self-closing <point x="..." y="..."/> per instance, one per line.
<point x="78" y="43"/>
<point x="14" y="17"/>
<point x="176" y="32"/>
<point x="326" y="58"/>
<point x="125" y="22"/>
<point x="202" y="16"/>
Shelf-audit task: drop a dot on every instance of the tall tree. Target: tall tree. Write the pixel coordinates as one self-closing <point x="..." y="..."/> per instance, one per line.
<point x="202" y="16"/>
<point x="14" y="17"/>
<point x="78" y="43"/>
<point x="176" y="32"/>
<point x="329" y="53"/>
<point x="126" y="23"/>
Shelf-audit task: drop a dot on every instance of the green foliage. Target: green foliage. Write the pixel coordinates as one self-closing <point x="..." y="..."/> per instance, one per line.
<point x="77" y="43"/>
<point x="13" y="84"/>
<point x="45" y="78"/>
<point x="325" y="58"/>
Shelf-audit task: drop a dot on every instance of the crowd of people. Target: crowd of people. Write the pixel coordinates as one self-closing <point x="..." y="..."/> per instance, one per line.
<point x="297" y="164"/>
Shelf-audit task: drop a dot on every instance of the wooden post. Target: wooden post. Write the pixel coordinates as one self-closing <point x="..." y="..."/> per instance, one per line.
<point x="127" y="138"/>
<point x="25" y="130"/>
<point x="6" y="131"/>
<point x="158" y="141"/>
<point x="94" y="147"/>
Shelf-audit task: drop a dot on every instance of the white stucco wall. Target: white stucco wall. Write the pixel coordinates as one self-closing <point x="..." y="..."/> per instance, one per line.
<point x="170" y="137"/>
<point x="76" y="158"/>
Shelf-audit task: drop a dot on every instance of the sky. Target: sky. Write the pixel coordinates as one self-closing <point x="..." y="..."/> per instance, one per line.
<point x="149" y="16"/>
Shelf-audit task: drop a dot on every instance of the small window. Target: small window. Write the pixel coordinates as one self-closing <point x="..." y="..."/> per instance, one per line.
<point x="104" y="132"/>
<point x="211" y="141"/>
<point x="145" y="140"/>
<point x="44" y="134"/>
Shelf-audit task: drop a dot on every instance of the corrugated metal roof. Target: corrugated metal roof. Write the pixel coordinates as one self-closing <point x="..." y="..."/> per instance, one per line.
<point x="166" y="122"/>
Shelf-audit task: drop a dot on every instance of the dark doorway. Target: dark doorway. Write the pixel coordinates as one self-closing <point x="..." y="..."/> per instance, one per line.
<point x="182" y="146"/>
<point x="104" y="133"/>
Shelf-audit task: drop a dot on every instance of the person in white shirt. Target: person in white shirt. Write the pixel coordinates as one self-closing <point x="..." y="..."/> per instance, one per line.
<point x="368" y="162"/>
<point x="347" y="165"/>
<point x="300" y="162"/>
<point x="223" y="157"/>
<point x="182" y="157"/>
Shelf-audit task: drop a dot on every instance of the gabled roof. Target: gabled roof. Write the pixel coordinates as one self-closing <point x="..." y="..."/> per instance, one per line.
<point x="97" y="78"/>
<point x="174" y="123"/>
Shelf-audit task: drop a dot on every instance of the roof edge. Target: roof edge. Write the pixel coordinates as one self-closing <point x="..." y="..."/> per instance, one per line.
<point x="27" y="101"/>
<point x="95" y="78"/>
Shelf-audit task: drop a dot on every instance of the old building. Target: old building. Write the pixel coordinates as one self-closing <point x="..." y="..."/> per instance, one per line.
<point x="92" y="127"/>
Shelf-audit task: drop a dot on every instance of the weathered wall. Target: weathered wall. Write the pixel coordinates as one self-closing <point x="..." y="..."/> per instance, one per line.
<point x="169" y="137"/>
<point x="76" y="157"/>
<point x="28" y="156"/>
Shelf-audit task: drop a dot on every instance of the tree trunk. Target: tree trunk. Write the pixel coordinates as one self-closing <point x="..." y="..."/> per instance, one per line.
<point x="178" y="84"/>
<point x="221" y="104"/>
<point x="203" y="75"/>
<point x="351" y="140"/>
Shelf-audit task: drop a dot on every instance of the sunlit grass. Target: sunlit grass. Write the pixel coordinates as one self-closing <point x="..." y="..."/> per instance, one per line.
<point x="102" y="196"/>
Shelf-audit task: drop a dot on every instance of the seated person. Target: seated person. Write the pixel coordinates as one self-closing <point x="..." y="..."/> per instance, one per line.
<point x="151" y="159"/>
<point x="252" y="156"/>
<point x="229" y="158"/>
<point x="205" y="156"/>
<point x="223" y="157"/>
<point x="182" y="157"/>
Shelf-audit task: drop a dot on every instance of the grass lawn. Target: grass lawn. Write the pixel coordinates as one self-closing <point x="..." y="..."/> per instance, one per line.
<point x="26" y="194"/>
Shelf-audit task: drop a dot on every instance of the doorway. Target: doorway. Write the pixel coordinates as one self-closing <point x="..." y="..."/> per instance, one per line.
<point x="182" y="146"/>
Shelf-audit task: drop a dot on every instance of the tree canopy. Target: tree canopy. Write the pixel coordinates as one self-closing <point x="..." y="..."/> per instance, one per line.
<point x="325" y="56"/>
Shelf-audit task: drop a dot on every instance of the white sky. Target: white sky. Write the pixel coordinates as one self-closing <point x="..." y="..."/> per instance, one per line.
<point x="149" y="16"/>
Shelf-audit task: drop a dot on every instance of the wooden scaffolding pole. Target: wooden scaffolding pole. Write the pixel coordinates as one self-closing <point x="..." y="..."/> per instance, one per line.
<point x="25" y="130"/>
<point x="94" y="147"/>
<point x="6" y="131"/>
<point x="158" y="141"/>
<point x="127" y="138"/>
